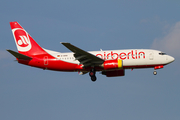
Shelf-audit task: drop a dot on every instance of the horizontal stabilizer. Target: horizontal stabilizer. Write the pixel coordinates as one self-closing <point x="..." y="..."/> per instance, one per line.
<point x="19" y="55"/>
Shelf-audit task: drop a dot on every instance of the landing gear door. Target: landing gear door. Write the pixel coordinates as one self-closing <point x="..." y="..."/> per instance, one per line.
<point x="151" y="55"/>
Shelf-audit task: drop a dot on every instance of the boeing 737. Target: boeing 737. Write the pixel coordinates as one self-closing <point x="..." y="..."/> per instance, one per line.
<point x="111" y="63"/>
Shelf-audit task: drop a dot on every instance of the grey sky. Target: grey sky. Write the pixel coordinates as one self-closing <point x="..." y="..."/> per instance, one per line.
<point x="28" y="93"/>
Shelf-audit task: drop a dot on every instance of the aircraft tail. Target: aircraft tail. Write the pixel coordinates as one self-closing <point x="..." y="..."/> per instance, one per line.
<point x="26" y="45"/>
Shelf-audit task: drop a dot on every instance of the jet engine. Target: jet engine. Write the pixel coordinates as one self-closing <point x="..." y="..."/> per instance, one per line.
<point x="113" y="64"/>
<point x="114" y="73"/>
<point x="113" y="68"/>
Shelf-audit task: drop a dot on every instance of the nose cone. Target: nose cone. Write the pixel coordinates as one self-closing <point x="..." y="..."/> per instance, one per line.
<point x="170" y="59"/>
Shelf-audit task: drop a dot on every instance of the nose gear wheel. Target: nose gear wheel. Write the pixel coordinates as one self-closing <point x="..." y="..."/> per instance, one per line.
<point x="155" y="72"/>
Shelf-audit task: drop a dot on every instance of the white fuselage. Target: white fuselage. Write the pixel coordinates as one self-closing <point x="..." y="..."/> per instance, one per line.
<point x="130" y="57"/>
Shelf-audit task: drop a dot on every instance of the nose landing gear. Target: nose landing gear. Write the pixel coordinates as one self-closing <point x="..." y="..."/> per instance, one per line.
<point x="92" y="75"/>
<point x="157" y="67"/>
<point x="155" y="72"/>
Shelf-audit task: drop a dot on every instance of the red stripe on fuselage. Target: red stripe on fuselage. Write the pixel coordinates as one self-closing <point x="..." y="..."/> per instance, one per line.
<point x="53" y="64"/>
<point x="58" y="65"/>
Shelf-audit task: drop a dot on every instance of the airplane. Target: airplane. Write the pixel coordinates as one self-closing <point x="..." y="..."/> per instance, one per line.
<point x="111" y="63"/>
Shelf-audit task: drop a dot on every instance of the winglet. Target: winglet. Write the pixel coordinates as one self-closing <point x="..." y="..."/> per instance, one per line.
<point x="19" y="55"/>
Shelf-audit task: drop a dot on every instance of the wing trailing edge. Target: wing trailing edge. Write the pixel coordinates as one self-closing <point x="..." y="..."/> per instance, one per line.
<point x="85" y="58"/>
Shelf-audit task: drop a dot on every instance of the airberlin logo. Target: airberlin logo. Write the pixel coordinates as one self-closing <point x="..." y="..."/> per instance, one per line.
<point x="22" y="39"/>
<point x="133" y="54"/>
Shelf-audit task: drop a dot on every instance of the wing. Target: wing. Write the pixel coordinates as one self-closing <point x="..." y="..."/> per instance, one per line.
<point x="85" y="58"/>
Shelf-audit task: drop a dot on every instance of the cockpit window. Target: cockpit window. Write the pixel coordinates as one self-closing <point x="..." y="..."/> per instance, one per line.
<point x="162" y="53"/>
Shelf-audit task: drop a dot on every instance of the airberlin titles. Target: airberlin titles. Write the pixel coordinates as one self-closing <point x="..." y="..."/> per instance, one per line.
<point x="134" y="54"/>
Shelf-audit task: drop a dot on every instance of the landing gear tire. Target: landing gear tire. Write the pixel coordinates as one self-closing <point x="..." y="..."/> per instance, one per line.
<point x="92" y="75"/>
<point x="155" y="73"/>
<point x="93" y="78"/>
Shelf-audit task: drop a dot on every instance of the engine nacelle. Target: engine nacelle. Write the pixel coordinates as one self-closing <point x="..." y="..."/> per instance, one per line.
<point x="114" y="73"/>
<point x="113" y="64"/>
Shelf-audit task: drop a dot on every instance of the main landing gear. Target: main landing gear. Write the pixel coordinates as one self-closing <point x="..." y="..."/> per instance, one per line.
<point x="92" y="74"/>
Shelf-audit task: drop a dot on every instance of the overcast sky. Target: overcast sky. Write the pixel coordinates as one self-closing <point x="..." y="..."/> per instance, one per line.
<point x="28" y="93"/>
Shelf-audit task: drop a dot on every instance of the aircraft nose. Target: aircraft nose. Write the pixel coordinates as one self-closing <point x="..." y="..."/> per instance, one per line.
<point x="171" y="59"/>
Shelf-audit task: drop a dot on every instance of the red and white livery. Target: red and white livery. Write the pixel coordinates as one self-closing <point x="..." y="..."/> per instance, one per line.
<point x="111" y="63"/>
